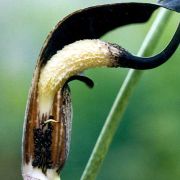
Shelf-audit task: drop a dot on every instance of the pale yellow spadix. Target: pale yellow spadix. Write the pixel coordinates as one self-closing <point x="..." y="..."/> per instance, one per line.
<point x="69" y="61"/>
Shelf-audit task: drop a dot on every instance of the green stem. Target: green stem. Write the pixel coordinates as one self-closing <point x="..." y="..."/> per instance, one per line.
<point x="120" y="104"/>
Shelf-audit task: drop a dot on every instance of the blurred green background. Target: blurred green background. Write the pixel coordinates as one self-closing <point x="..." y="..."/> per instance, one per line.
<point x="147" y="144"/>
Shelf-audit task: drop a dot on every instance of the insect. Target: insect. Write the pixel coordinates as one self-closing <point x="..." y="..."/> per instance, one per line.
<point x="64" y="56"/>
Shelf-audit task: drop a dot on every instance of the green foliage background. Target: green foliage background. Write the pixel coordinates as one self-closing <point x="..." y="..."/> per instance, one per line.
<point x="146" y="145"/>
